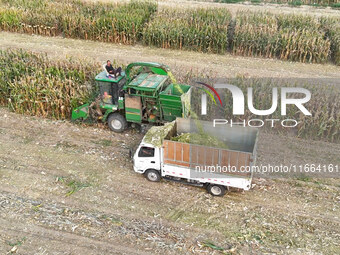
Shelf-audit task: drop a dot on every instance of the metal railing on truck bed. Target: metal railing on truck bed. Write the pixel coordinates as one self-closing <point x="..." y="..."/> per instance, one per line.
<point x="240" y="155"/>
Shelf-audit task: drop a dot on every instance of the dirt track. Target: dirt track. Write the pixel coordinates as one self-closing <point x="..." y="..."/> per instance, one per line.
<point x="118" y="212"/>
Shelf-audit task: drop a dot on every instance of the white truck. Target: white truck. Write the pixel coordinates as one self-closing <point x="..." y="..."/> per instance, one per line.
<point x="217" y="169"/>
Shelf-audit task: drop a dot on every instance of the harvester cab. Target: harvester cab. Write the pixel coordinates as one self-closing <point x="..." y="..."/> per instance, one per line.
<point x="106" y="102"/>
<point x="110" y="88"/>
<point x="144" y="93"/>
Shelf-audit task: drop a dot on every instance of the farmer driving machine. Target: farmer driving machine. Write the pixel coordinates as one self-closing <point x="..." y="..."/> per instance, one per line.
<point x="144" y="93"/>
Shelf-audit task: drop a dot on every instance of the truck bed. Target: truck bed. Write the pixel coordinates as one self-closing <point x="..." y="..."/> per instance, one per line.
<point x="198" y="156"/>
<point x="184" y="159"/>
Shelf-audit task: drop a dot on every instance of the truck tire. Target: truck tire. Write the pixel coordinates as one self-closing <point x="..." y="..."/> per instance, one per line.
<point x="216" y="190"/>
<point x="153" y="175"/>
<point x="117" y="122"/>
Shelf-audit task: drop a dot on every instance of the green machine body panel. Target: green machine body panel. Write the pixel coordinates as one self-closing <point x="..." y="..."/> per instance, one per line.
<point x="121" y="103"/>
<point x="142" y="104"/>
<point x="133" y="115"/>
<point x="106" y="84"/>
<point x="82" y="112"/>
<point x="155" y="68"/>
<point x="172" y="101"/>
<point x="109" y="108"/>
<point x="147" y="82"/>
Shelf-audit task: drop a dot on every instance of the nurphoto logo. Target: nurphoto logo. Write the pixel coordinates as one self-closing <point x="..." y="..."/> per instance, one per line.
<point x="239" y="105"/>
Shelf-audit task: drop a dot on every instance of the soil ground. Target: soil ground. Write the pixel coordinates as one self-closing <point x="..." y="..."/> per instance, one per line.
<point x="71" y="189"/>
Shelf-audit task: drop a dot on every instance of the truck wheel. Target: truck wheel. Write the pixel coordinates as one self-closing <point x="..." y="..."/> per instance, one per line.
<point x="117" y="122"/>
<point x="216" y="190"/>
<point x="153" y="175"/>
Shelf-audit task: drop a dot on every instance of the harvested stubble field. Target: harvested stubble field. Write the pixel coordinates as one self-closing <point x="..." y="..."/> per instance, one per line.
<point x="71" y="189"/>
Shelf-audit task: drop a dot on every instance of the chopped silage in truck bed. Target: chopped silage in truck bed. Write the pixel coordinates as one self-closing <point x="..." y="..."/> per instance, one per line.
<point x="200" y="139"/>
<point x="157" y="134"/>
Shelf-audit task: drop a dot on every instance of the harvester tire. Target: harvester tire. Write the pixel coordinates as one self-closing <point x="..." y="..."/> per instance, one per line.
<point x="117" y="123"/>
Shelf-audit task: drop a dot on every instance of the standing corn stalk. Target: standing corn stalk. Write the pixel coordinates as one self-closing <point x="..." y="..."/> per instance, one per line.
<point x="105" y="22"/>
<point x="204" y="30"/>
<point x="32" y="84"/>
<point x="287" y="37"/>
<point x="331" y="27"/>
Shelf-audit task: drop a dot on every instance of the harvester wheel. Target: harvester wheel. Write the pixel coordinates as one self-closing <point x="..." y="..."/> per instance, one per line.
<point x="117" y="122"/>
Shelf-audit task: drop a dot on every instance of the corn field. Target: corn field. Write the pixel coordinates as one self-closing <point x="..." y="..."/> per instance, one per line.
<point x="204" y="30"/>
<point x="332" y="28"/>
<point x="117" y="23"/>
<point x="34" y="85"/>
<point x="287" y="37"/>
<point x="291" y="37"/>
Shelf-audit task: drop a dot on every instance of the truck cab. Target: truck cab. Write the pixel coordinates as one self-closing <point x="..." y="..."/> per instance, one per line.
<point x="147" y="156"/>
